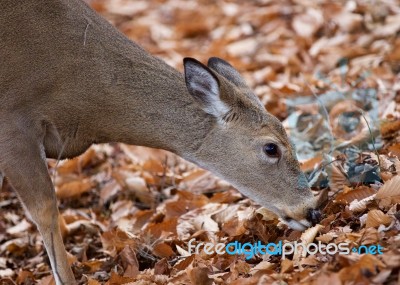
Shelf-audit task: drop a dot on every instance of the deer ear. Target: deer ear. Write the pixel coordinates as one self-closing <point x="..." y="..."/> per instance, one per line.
<point x="226" y="70"/>
<point x="203" y="85"/>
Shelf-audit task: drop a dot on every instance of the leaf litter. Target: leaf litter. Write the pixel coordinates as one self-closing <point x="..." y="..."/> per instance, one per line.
<point x="327" y="69"/>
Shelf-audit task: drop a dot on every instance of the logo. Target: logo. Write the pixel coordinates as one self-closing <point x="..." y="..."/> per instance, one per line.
<point x="249" y="250"/>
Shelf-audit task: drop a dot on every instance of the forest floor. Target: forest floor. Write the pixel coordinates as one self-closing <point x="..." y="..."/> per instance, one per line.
<point x="329" y="70"/>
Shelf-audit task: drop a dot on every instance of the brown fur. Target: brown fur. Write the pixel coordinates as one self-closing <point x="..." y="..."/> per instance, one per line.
<point x="69" y="79"/>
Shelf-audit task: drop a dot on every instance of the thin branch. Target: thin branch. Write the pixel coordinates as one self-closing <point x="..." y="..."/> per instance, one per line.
<point x="325" y="111"/>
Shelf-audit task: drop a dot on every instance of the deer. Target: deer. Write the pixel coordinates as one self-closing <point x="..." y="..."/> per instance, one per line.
<point x="70" y="79"/>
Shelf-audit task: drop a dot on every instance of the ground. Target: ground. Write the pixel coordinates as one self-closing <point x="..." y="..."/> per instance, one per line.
<point x="327" y="69"/>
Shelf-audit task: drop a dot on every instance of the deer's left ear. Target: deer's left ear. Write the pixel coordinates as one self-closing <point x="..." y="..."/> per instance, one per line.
<point x="203" y="85"/>
<point x="226" y="70"/>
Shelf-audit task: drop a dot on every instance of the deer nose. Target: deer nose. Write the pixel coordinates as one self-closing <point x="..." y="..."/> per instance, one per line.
<point x="313" y="216"/>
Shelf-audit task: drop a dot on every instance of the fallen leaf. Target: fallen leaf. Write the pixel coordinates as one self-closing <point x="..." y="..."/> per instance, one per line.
<point x="74" y="189"/>
<point x="376" y="218"/>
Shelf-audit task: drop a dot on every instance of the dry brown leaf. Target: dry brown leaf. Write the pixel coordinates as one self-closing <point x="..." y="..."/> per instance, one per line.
<point x="63" y="226"/>
<point x="153" y="165"/>
<point x="140" y="154"/>
<point x="184" y="263"/>
<point x="199" y="276"/>
<point x="382" y="277"/>
<point x="108" y="191"/>
<point x="391" y="26"/>
<point x="311" y="163"/>
<point x="87" y="226"/>
<point x="199" y="181"/>
<point x="234" y="227"/>
<point x="309" y="235"/>
<point x="391" y="258"/>
<point x="250" y="281"/>
<point x="116" y="240"/>
<point x="286" y="266"/>
<point x="229" y="196"/>
<point x="359" y="206"/>
<point x="266" y="214"/>
<point x="76" y="165"/>
<point x="93" y="282"/>
<point x="310" y="260"/>
<point x="48" y="280"/>
<point x="357" y="194"/>
<point x="93" y="265"/>
<point x="243" y="47"/>
<point x="367" y="264"/>
<point x="376" y="218"/>
<point x="331" y="278"/>
<point x="19" y="228"/>
<point x="389" y="128"/>
<point x="326" y="238"/>
<point x="306" y="25"/>
<point x="390" y="189"/>
<point x="386" y="175"/>
<point x="186" y="202"/>
<point x="190" y="23"/>
<point x="337" y="179"/>
<point x="199" y="219"/>
<point x="370" y="236"/>
<point x="348" y="22"/>
<point x="162" y="267"/>
<point x="262" y="267"/>
<point x="116" y="279"/>
<point x="73" y="189"/>
<point x="166" y="226"/>
<point x="24" y="277"/>
<point x="139" y="219"/>
<point x="163" y="250"/>
<point x="129" y="261"/>
<point x="15" y="246"/>
<point x="137" y="185"/>
<point x="240" y="267"/>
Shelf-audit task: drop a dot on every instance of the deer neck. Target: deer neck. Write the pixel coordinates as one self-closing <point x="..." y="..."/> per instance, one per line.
<point x="151" y="107"/>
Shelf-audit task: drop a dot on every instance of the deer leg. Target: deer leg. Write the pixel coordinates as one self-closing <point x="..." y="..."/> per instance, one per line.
<point x="25" y="167"/>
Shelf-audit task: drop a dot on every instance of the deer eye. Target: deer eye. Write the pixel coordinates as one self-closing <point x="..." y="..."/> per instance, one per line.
<point x="271" y="150"/>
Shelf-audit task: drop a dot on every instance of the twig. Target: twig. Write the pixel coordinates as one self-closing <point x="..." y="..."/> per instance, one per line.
<point x="325" y="111"/>
<point x="372" y="137"/>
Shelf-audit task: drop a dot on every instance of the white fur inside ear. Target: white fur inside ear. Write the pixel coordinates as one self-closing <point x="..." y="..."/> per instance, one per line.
<point x="204" y="87"/>
<point x="217" y="108"/>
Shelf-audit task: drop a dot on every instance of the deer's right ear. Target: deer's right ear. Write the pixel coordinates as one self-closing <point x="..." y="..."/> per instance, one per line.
<point x="203" y="85"/>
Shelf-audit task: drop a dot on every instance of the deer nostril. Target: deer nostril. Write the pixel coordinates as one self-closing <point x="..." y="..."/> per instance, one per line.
<point x="287" y="218"/>
<point x="314" y="216"/>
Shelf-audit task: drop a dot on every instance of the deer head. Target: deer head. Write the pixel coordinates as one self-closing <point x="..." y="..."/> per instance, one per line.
<point x="247" y="146"/>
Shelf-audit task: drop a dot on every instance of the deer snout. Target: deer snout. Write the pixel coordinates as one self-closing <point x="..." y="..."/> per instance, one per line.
<point x="301" y="217"/>
<point x="313" y="216"/>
